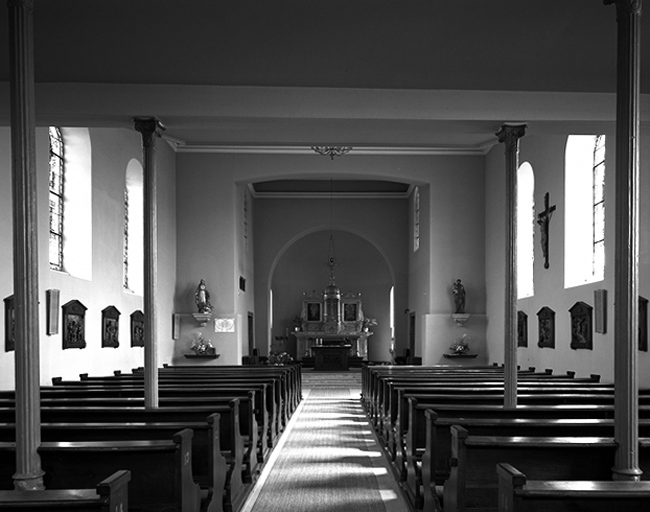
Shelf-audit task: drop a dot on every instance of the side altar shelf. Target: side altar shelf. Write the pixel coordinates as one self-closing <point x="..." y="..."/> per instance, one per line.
<point x="358" y="341"/>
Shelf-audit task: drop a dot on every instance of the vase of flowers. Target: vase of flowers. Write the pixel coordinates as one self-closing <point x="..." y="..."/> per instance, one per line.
<point x="280" y="358"/>
<point x="202" y="348"/>
<point x="461" y="345"/>
<point x="368" y="322"/>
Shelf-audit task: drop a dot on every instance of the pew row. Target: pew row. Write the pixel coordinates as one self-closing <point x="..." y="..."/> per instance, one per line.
<point x="473" y="483"/>
<point x="518" y="494"/>
<point x="161" y="470"/>
<point x="216" y="436"/>
<point x="110" y="495"/>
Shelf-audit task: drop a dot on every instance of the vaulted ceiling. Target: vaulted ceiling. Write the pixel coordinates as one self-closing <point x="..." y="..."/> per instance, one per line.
<point x="371" y="74"/>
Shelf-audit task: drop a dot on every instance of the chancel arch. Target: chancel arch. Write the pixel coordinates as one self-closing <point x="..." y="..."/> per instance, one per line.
<point x="360" y="269"/>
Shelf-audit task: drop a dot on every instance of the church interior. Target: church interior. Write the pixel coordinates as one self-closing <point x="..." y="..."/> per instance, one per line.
<point x="301" y="147"/>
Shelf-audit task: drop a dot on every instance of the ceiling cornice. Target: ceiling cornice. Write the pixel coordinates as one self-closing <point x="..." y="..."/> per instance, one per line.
<point x="250" y="149"/>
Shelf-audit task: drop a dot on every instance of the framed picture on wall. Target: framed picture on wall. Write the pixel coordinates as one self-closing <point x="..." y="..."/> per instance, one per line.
<point x="137" y="329"/>
<point x="110" y="327"/>
<point x="313" y="311"/>
<point x="546" y="325"/>
<point x="351" y="311"/>
<point x="522" y="329"/>
<point x="74" y="325"/>
<point x="581" y="326"/>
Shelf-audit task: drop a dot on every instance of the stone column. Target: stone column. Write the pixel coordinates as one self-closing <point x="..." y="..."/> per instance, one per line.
<point x="150" y="128"/>
<point x="510" y="135"/>
<point x="29" y="475"/>
<point x="626" y="264"/>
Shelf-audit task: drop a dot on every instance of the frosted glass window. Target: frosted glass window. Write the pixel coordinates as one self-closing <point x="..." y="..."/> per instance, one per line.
<point x="133" y="243"/>
<point x="56" y="185"/>
<point x="584" y="176"/>
<point x="525" y="230"/>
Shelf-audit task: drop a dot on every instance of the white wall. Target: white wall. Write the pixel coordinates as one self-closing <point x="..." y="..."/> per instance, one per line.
<point x="546" y="155"/>
<point x="112" y="149"/>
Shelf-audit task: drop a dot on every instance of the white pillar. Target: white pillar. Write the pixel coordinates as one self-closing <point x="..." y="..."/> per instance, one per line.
<point x="626" y="265"/>
<point x="149" y="129"/>
<point x="510" y="135"/>
<point x="29" y="475"/>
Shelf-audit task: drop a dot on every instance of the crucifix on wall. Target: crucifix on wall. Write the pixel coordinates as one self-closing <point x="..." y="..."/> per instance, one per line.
<point x="544" y="219"/>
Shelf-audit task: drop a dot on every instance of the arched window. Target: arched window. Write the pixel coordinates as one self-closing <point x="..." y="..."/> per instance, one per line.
<point x="525" y="230"/>
<point x="57" y="205"/>
<point x="584" y="244"/>
<point x="133" y="248"/>
<point x="416" y="219"/>
<point x="70" y="198"/>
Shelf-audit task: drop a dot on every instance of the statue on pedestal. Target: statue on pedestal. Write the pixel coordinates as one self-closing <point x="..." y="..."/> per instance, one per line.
<point x="459" y="296"/>
<point x="202" y="298"/>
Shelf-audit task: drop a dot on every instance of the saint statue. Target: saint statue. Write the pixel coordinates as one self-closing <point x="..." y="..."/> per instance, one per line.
<point x="202" y="298"/>
<point x="459" y="296"/>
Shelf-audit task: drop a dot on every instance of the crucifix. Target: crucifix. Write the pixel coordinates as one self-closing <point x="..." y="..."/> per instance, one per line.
<point x="543" y="219"/>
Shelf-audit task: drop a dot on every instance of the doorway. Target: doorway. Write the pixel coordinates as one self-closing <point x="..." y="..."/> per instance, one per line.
<point x="411" y="336"/>
<point x="251" y="333"/>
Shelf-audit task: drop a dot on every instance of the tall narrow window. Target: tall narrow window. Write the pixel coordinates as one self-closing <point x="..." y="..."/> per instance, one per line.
<point x="525" y="230"/>
<point x="133" y="242"/>
<point x="599" y="209"/>
<point x="392" y="317"/>
<point x="416" y="219"/>
<point x="245" y="219"/>
<point x="125" y="252"/>
<point x="57" y="181"/>
<point x="584" y="174"/>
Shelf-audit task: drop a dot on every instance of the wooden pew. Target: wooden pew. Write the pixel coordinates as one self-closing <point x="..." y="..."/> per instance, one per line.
<point x="110" y="495"/>
<point x="209" y="466"/>
<point x="232" y="443"/>
<point x="571" y="405"/>
<point x="412" y="448"/>
<point x="435" y="467"/>
<point x="473" y="483"/>
<point x="161" y="470"/>
<point x="490" y="391"/>
<point x="518" y="494"/>
<point x="247" y="424"/>
<point x="277" y="404"/>
<point x="288" y="377"/>
<point x="255" y="435"/>
<point x="384" y="404"/>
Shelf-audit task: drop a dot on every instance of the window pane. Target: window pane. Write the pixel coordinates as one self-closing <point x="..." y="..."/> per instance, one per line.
<point x="599" y="222"/>
<point x="599" y="183"/>
<point x="599" y="260"/>
<point x="55" y="252"/>
<point x="584" y="186"/>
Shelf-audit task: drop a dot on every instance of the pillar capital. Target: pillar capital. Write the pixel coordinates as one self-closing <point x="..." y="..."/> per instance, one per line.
<point x="510" y="134"/>
<point x="149" y="127"/>
<point x="625" y="7"/>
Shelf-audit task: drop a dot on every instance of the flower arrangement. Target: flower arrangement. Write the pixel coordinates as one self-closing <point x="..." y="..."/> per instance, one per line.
<point x="201" y="347"/>
<point x="280" y="358"/>
<point x="461" y="346"/>
<point x="368" y="322"/>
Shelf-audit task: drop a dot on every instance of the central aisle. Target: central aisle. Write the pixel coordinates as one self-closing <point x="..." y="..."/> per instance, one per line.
<point x="328" y="459"/>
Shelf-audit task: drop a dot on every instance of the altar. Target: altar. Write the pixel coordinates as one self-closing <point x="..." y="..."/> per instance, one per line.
<point x="356" y="341"/>
<point x="331" y="357"/>
<point x="334" y="320"/>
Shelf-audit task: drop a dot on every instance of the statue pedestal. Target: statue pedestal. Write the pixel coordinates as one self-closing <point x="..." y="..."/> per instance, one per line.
<point x="460" y="318"/>
<point x="202" y="318"/>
